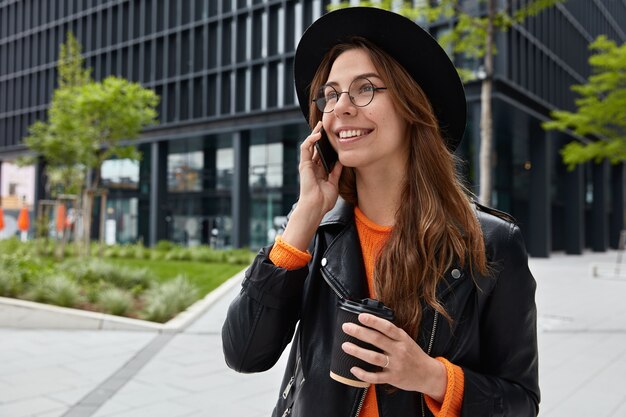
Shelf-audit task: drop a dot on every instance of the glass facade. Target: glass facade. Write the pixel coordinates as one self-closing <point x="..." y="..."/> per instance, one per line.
<point x="220" y="168"/>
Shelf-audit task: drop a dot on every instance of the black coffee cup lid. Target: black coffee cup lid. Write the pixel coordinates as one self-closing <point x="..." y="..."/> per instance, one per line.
<point x="368" y="305"/>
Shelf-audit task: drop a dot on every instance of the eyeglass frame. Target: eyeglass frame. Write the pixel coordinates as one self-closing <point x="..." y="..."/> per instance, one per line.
<point x="339" y="93"/>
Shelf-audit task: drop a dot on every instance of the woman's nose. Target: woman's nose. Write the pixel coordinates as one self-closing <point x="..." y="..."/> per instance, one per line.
<point x="344" y="105"/>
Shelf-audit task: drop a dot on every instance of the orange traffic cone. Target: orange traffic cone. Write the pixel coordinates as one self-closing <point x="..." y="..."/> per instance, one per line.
<point x="23" y="223"/>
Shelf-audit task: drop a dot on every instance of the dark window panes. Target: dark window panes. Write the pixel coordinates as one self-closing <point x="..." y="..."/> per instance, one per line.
<point x="148" y="68"/>
<point x="115" y="62"/>
<point x="4" y="60"/>
<point x="241" y="39"/>
<point x="212" y="46"/>
<point x="3" y="98"/>
<point x="126" y="66"/>
<point x="184" y="99"/>
<point x="115" y="25"/>
<point x="257" y="35"/>
<point x="272" y="29"/>
<point x="126" y="22"/>
<point x="136" y="18"/>
<point x="211" y="95"/>
<point x="290" y="27"/>
<point x="136" y="63"/>
<point x="213" y="4"/>
<point x="288" y="86"/>
<point x="19" y="18"/>
<point x="160" y="15"/>
<point x="226" y="96"/>
<point x="197" y="90"/>
<point x="226" y="6"/>
<point x="160" y="58"/>
<point x="172" y="102"/>
<point x="159" y="92"/>
<point x="242" y="92"/>
<point x="148" y="18"/>
<point x="173" y="13"/>
<point x="10" y="134"/>
<point x="17" y="98"/>
<point x="242" y="3"/>
<point x="186" y="63"/>
<point x="201" y="10"/>
<point x="186" y="11"/>
<point x="257" y="87"/>
<point x="173" y="54"/>
<point x="198" y="48"/>
<point x="226" y="42"/>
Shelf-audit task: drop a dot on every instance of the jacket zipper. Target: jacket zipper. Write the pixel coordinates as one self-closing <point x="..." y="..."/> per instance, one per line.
<point x="332" y="286"/>
<point x="292" y="381"/>
<point x="361" y="401"/>
<point x="428" y="350"/>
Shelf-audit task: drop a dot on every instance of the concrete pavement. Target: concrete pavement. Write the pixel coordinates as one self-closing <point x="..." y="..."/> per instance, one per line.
<point x="107" y="373"/>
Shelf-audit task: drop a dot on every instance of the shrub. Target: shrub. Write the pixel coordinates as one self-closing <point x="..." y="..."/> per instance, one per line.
<point x="96" y="272"/>
<point x="55" y="289"/>
<point x="164" y="301"/>
<point x="115" y="301"/>
<point x="11" y="283"/>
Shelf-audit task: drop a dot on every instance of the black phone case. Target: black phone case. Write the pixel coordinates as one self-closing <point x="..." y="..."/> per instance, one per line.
<point x="327" y="153"/>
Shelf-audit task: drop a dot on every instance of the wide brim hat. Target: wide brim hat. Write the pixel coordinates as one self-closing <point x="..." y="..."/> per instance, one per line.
<point x="410" y="45"/>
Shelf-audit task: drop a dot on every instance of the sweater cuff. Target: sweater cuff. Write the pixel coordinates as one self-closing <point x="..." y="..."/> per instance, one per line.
<point x="283" y="255"/>
<point x="453" y="398"/>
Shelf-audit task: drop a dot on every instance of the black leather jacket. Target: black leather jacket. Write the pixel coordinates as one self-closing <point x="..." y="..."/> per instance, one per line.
<point x="493" y="337"/>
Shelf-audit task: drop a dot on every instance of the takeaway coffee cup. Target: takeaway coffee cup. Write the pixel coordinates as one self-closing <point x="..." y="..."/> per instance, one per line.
<point x="341" y="362"/>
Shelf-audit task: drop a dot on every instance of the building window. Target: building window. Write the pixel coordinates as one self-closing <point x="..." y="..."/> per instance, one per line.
<point x="184" y="172"/>
<point x="120" y="174"/>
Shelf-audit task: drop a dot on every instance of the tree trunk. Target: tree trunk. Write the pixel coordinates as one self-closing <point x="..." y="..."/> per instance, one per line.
<point x="486" y="119"/>
<point x="87" y="210"/>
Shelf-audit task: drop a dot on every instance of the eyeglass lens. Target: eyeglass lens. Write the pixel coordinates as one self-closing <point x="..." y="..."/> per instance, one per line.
<point x="360" y="92"/>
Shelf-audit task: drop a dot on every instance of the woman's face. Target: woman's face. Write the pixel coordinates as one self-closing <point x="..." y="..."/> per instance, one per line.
<point x="370" y="136"/>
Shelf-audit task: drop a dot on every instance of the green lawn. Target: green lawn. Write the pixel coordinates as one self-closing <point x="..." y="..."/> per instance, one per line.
<point x="205" y="276"/>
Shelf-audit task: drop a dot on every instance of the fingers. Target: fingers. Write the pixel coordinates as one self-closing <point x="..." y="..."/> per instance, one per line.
<point x="383" y="326"/>
<point x="307" y="149"/>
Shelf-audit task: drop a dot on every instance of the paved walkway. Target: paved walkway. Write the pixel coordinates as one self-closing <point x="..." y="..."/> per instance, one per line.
<point x="582" y="343"/>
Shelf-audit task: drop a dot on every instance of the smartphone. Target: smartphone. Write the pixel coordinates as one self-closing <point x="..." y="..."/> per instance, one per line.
<point x="327" y="153"/>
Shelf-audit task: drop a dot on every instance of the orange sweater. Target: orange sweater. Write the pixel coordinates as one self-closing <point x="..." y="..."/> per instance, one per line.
<point x="372" y="238"/>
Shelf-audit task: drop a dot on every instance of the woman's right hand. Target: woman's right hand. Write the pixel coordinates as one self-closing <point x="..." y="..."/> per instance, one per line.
<point x="318" y="190"/>
<point x="318" y="193"/>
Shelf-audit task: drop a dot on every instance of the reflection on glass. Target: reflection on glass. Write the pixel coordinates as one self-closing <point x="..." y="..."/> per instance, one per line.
<point x="121" y="219"/>
<point x="266" y="165"/>
<point x="184" y="171"/>
<point x="120" y="174"/>
<point x="224" y="165"/>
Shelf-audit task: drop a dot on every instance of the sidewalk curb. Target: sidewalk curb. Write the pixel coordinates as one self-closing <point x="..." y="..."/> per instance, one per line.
<point x="21" y="314"/>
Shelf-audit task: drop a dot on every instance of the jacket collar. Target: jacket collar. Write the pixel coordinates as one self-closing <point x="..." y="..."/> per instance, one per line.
<point x="342" y="213"/>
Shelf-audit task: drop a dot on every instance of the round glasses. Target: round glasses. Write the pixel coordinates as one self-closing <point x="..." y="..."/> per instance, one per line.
<point x="361" y="93"/>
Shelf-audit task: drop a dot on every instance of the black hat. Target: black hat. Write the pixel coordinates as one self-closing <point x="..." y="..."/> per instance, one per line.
<point x="410" y="45"/>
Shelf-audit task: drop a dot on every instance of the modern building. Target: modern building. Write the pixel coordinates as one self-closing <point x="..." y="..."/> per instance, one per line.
<point x="221" y="165"/>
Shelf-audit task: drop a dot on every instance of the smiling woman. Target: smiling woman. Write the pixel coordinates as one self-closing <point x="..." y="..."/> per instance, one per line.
<point x="389" y="229"/>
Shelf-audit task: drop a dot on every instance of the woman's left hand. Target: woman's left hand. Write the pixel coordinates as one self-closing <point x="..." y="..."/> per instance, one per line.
<point x="405" y="365"/>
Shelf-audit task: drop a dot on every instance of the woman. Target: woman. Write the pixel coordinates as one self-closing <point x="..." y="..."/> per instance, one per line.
<point x="391" y="222"/>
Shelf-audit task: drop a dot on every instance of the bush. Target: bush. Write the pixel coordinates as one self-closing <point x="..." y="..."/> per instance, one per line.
<point x="11" y="283"/>
<point x="55" y="289"/>
<point x="115" y="301"/>
<point x="168" y="299"/>
<point x="96" y="272"/>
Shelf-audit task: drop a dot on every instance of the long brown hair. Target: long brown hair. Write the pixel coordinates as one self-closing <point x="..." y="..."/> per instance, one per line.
<point x="435" y="225"/>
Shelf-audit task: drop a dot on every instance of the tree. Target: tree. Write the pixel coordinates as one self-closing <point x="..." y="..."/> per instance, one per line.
<point x="472" y="35"/>
<point x="89" y="122"/>
<point x="601" y="109"/>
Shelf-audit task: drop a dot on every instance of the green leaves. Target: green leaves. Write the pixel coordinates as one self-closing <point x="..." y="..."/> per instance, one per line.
<point x="89" y="121"/>
<point x="601" y="108"/>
